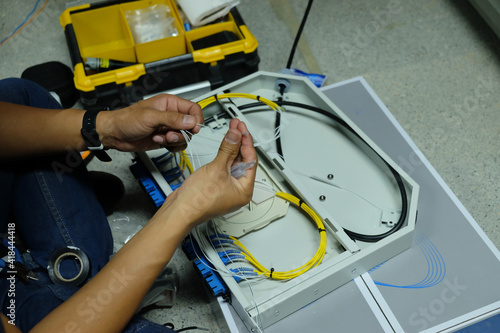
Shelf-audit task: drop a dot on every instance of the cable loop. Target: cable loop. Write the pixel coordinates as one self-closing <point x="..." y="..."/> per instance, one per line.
<point x="313" y="262"/>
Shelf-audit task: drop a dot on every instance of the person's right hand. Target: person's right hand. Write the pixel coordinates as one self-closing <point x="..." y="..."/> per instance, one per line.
<point x="211" y="190"/>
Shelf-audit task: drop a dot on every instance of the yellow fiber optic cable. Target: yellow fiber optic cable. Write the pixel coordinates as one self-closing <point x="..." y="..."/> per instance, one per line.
<point x="315" y="260"/>
<point x="207" y="101"/>
<point x="182" y="164"/>
<point x="187" y="162"/>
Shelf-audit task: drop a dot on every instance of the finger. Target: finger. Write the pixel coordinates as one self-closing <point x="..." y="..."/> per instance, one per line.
<point x="247" y="150"/>
<point x="174" y="137"/>
<point x="158" y="138"/>
<point x="170" y="138"/>
<point x="173" y="120"/>
<point x="175" y="148"/>
<point x="234" y="123"/>
<point x="195" y="111"/>
<point x="167" y="102"/>
<point x="171" y="141"/>
<point x="229" y="148"/>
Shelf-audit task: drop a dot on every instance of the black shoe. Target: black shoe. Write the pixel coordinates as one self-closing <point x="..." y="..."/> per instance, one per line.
<point x="108" y="188"/>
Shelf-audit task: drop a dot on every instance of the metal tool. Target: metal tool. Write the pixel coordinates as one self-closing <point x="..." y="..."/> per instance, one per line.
<point x="14" y="264"/>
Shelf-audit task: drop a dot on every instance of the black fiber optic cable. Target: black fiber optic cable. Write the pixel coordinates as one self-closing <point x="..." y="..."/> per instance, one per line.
<point x="279" y="147"/>
<point x="223" y="115"/>
<point x="288" y="65"/>
<point x="299" y="33"/>
<point x="397" y="176"/>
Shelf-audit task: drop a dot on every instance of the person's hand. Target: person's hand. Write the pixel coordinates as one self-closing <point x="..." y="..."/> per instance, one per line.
<point x="150" y="124"/>
<point x="211" y="190"/>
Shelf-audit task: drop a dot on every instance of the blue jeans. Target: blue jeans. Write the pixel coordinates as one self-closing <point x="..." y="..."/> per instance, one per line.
<point x="53" y="206"/>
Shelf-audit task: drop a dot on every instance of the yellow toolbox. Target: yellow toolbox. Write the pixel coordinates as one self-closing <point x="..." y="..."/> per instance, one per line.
<point x="117" y="32"/>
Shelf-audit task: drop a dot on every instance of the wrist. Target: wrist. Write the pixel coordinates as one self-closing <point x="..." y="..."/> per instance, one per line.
<point x="91" y="136"/>
<point x="104" y="128"/>
<point x="185" y="215"/>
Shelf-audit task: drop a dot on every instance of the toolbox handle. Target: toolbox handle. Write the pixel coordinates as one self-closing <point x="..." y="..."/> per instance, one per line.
<point x="74" y="51"/>
<point x="165" y="65"/>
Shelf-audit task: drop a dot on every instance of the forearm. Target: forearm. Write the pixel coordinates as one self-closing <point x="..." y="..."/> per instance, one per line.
<point x="28" y="131"/>
<point x="149" y="124"/>
<point x="123" y="282"/>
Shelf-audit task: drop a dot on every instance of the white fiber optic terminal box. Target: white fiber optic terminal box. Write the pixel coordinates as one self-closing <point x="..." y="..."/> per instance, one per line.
<point x="368" y="204"/>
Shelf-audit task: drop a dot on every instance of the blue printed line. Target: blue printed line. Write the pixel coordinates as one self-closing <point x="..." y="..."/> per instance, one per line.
<point x="436" y="267"/>
<point x="20" y="25"/>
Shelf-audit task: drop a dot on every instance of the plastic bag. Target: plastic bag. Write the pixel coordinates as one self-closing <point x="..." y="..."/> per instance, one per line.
<point x="151" y="23"/>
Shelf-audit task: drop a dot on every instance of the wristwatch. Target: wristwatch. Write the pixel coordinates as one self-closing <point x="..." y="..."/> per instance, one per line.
<point x="91" y="137"/>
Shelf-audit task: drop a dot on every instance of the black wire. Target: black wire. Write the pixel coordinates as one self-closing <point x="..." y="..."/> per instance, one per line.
<point x="397" y="176"/>
<point x="288" y="65"/>
<point x="191" y="328"/>
<point x="279" y="147"/>
<point x="223" y="115"/>
<point x="277" y="122"/>
<point x="299" y="32"/>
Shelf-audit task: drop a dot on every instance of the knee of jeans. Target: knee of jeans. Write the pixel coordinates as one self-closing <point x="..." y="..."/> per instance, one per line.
<point x="13" y="82"/>
<point x="25" y="92"/>
<point x="14" y="89"/>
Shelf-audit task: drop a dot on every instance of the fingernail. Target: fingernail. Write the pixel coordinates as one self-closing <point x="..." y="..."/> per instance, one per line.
<point x="158" y="139"/>
<point x="174" y="139"/>
<point x="232" y="138"/>
<point x="245" y="133"/>
<point x="188" y="120"/>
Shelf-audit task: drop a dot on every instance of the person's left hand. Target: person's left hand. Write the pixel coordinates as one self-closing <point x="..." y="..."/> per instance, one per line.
<point x="150" y="124"/>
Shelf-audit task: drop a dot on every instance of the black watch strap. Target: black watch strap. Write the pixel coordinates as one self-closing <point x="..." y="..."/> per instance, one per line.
<point x="91" y="137"/>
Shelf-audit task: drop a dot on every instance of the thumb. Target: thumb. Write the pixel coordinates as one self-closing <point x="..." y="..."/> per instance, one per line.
<point x="230" y="147"/>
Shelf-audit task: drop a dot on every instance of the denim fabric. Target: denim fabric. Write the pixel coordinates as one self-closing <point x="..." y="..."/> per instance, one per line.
<point x="53" y="206"/>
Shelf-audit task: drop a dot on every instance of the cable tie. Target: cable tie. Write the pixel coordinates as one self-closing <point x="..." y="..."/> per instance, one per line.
<point x="301" y="202"/>
<point x="271" y="274"/>
<point x="258" y="98"/>
<point x="216" y="98"/>
<point x="321" y="230"/>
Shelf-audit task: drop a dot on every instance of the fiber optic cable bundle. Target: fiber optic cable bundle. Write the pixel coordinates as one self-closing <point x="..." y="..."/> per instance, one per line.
<point x="242" y="253"/>
<point x="240" y="273"/>
<point x="171" y="169"/>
